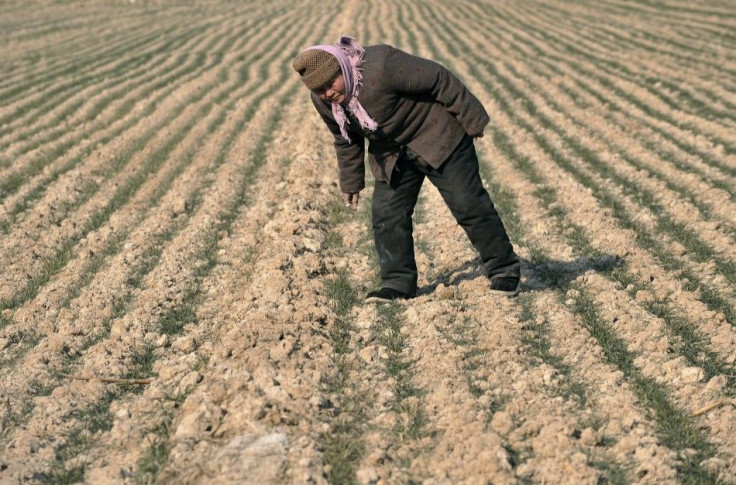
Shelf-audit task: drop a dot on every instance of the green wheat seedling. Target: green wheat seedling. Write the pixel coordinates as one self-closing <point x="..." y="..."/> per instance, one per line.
<point x="464" y="333"/>
<point x="89" y="422"/>
<point x="675" y="429"/>
<point x="623" y="70"/>
<point x="342" y="447"/>
<point x="157" y="452"/>
<point x="535" y="336"/>
<point x="695" y="347"/>
<point x="552" y="60"/>
<point x="387" y="332"/>
<point x="60" y="90"/>
<point x="663" y="153"/>
<point x="161" y="82"/>
<point x="709" y="296"/>
<point x="11" y="184"/>
<point x="188" y="65"/>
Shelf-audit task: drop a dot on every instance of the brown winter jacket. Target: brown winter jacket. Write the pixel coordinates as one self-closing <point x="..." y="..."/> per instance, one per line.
<point x="416" y="103"/>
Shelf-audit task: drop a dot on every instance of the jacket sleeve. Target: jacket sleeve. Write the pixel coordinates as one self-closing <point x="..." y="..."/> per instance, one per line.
<point x="350" y="154"/>
<point x="410" y="74"/>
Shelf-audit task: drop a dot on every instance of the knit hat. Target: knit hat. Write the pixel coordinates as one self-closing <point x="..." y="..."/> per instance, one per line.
<point x="316" y="67"/>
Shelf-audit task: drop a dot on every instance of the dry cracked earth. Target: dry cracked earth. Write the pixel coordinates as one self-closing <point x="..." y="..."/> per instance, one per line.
<point x="181" y="287"/>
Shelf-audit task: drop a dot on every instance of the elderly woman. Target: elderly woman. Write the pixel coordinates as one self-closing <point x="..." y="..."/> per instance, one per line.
<point x="420" y="121"/>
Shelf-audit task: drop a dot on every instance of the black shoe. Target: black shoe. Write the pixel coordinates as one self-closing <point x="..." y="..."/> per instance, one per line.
<point x="386" y="295"/>
<point x="505" y="285"/>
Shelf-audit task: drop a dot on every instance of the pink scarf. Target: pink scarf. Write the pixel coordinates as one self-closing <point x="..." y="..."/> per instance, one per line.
<point x="350" y="56"/>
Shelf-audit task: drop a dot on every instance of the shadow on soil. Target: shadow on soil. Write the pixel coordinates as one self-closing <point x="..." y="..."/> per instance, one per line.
<point x="547" y="275"/>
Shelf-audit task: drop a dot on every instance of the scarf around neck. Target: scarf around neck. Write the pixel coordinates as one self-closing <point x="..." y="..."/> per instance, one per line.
<point x="349" y="55"/>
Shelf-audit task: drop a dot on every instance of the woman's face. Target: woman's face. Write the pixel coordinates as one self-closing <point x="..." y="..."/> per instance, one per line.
<point x="334" y="92"/>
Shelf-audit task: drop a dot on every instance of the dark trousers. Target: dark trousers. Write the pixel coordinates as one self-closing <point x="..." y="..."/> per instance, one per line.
<point x="458" y="181"/>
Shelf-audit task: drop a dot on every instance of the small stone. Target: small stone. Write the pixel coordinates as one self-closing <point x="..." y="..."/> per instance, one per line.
<point x="588" y="437"/>
<point x="692" y="374"/>
<point x="627" y="444"/>
<point x="367" y="354"/>
<point x="185" y="344"/>
<point x="34" y="445"/>
<point x="218" y="392"/>
<point x="714" y="464"/>
<point x="629" y="422"/>
<point x="282" y="350"/>
<point x="190" y="380"/>
<point x="644" y="296"/>
<point x="324" y="403"/>
<point x="122" y="413"/>
<point x="162" y="341"/>
<point x="502" y="423"/>
<point x="366" y="475"/>
<point x="7" y="314"/>
<point x="716" y="383"/>
<point x="445" y="293"/>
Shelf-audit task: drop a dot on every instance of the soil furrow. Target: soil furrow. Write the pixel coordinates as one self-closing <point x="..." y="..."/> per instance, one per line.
<point x="642" y="39"/>
<point x="291" y="89"/>
<point x="712" y="371"/>
<point x="270" y="353"/>
<point x="55" y="50"/>
<point x="82" y="78"/>
<point x="149" y="95"/>
<point x="50" y="58"/>
<point x="59" y="294"/>
<point x="687" y="237"/>
<point x="693" y="471"/>
<point x="718" y="378"/>
<point x="31" y="158"/>
<point x="71" y="106"/>
<point x="195" y="335"/>
<point x="697" y="189"/>
<point x="664" y="79"/>
<point x="697" y="147"/>
<point x="124" y="72"/>
<point x="714" y="300"/>
<point x="111" y="351"/>
<point x="245" y="73"/>
<point x="632" y="92"/>
<point x="677" y="90"/>
<point x="137" y="151"/>
<point x="687" y="318"/>
<point x="172" y="214"/>
<point x="49" y="86"/>
<point x="536" y="465"/>
<point x="655" y="197"/>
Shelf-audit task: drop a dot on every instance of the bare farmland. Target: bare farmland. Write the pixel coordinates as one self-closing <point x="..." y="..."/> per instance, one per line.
<point x="170" y="217"/>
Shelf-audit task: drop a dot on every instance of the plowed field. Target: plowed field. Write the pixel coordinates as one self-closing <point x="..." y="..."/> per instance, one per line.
<point x="170" y="218"/>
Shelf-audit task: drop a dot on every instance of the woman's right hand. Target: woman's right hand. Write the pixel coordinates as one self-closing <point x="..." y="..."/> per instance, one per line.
<point x="351" y="200"/>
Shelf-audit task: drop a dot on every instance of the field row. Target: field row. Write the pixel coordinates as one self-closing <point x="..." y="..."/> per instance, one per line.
<point x="170" y="212"/>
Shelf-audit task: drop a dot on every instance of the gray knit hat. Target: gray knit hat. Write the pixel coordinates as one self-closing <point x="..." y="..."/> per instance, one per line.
<point x="316" y="67"/>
